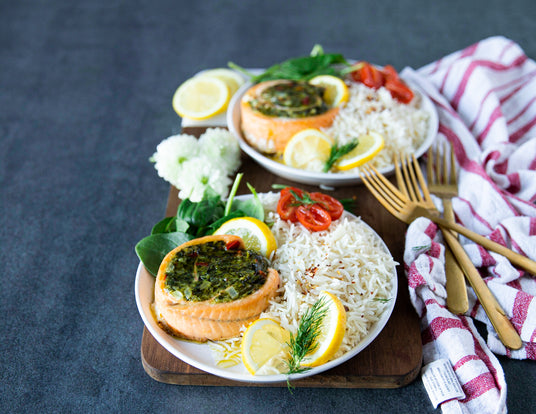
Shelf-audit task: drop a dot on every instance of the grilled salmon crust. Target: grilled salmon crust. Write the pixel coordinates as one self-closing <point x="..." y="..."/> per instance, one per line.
<point x="208" y="320"/>
<point x="270" y="134"/>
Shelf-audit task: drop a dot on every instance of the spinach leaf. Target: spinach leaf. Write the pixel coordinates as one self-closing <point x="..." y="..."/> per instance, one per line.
<point x="251" y="207"/>
<point x="195" y="217"/>
<point x="152" y="249"/>
<point x="300" y="68"/>
<point x="217" y="224"/>
<point x="166" y="225"/>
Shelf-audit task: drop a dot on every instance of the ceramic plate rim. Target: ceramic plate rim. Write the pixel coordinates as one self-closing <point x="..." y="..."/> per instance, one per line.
<point x="144" y="293"/>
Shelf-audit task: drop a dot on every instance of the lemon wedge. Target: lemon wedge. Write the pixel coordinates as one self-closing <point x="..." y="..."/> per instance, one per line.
<point x="336" y="91"/>
<point x="265" y="347"/>
<point x="255" y="234"/>
<point x="308" y="149"/>
<point x="331" y="334"/>
<point x="231" y="78"/>
<point x="369" y="145"/>
<point x="201" y="97"/>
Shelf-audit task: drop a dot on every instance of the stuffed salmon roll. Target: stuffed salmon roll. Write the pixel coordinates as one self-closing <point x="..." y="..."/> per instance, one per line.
<point x="273" y="111"/>
<point x="208" y="288"/>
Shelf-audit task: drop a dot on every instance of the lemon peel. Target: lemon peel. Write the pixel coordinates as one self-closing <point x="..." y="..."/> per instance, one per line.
<point x="255" y="234"/>
<point x="201" y="97"/>
<point x="331" y="332"/>
<point x="369" y="145"/>
<point x="308" y="149"/>
<point x="231" y="78"/>
<point x="264" y="347"/>
<point x="336" y="91"/>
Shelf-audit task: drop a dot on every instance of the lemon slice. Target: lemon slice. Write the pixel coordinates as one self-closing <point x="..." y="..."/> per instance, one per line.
<point x="308" y="149"/>
<point x="264" y="347"/>
<point x="368" y="147"/>
<point x="336" y="90"/>
<point x="201" y="97"/>
<point x="255" y="234"/>
<point x="331" y="334"/>
<point x="232" y="79"/>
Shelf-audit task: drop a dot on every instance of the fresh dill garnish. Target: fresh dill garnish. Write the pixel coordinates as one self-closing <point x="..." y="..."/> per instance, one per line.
<point x="338" y="151"/>
<point x="305" y="339"/>
<point x="382" y="300"/>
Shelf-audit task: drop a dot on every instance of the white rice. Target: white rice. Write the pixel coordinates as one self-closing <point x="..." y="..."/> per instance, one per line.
<point x="347" y="260"/>
<point x="403" y="126"/>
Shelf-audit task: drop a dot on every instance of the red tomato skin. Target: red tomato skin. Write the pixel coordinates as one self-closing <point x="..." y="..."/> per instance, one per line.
<point x="399" y="91"/>
<point x="390" y="73"/>
<point x="285" y="209"/>
<point x="328" y="203"/>
<point x="313" y="217"/>
<point x="371" y="76"/>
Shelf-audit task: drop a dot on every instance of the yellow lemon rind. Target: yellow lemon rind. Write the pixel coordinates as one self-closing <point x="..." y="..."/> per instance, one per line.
<point x="344" y="164"/>
<point x="310" y="141"/>
<point x="324" y="353"/>
<point x="232" y="79"/>
<point x="247" y="343"/>
<point x="189" y="86"/>
<point x="336" y="89"/>
<point x="268" y="243"/>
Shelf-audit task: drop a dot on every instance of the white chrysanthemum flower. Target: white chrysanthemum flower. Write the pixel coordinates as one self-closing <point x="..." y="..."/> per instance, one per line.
<point x="171" y="153"/>
<point x="221" y="147"/>
<point x="198" y="173"/>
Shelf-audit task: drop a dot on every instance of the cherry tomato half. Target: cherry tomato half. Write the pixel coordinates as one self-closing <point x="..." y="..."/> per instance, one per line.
<point x="399" y="91"/>
<point x="369" y="75"/>
<point x="390" y="73"/>
<point x="287" y="204"/>
<point x="328" y="203"/>
<point x="313" y="216"/>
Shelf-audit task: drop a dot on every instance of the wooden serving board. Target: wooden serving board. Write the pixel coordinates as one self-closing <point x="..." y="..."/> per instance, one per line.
<point x="392" y="360"/>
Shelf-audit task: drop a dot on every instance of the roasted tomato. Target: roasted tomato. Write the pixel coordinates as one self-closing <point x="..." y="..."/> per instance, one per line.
<point x="399" y="91"/>
<point x="369" y="75"/>
<point x="330" y="204"/>
<point x="313" y="216"/>
<point x="314" y="210"/>
<point x="390" y="73"/>
<point x="288" y="203"/>
<point x="388" y="77"/>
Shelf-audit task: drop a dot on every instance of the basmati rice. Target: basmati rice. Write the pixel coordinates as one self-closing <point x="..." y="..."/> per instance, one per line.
<point x="347" y="260"/>
<point x="403" y="126"/>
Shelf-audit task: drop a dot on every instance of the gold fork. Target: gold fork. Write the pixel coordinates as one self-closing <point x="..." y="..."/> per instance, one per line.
<point x="419" y="202"/>
<point x="407" y="210"/>
<point x="442" y="182"/>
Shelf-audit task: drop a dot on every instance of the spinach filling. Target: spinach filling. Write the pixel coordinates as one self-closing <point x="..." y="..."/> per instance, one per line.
<point x="290" y="99"/>
<point x="211" y="271"/>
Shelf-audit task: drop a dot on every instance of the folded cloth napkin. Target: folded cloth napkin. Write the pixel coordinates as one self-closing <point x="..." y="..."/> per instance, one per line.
<point x="485" y="96"/>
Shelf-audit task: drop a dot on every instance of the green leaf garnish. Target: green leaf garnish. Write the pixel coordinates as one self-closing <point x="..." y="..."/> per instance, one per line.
<point x="338" y="151"/>
<point x="305" y="339"/>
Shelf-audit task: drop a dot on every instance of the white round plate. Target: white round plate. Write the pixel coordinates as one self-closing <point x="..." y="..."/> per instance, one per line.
<point x="317" y="178"/>
<point x="199" y="355"/>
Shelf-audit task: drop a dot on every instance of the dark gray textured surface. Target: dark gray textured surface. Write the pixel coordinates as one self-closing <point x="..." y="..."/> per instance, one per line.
<point x="85" y="91"/>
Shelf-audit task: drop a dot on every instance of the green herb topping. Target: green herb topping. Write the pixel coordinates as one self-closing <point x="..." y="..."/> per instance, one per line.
<point x="211" y="271"/>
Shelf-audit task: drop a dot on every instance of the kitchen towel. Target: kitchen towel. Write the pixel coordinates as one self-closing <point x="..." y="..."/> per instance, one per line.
<point x="485" y="96"/>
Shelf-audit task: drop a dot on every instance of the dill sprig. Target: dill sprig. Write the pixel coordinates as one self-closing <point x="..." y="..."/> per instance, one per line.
<point x="338" y="151"/>
<point x="305" y="339"/>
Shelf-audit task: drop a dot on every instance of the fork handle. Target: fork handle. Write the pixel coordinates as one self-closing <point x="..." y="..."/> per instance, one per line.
<point x="515" y="258"/>
<point x="504" y="328"/>
<point x="457" y="301"/>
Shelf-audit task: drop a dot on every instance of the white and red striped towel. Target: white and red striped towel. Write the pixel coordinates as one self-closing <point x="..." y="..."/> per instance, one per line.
<point x="486" y="101"/>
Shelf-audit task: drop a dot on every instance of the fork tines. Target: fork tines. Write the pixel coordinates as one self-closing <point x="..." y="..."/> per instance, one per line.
<point x="411" y="180"/>
<point x="382" y="189"/>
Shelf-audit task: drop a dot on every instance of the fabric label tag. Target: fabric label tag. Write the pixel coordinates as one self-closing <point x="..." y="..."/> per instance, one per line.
<point x="441" y="382"/>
